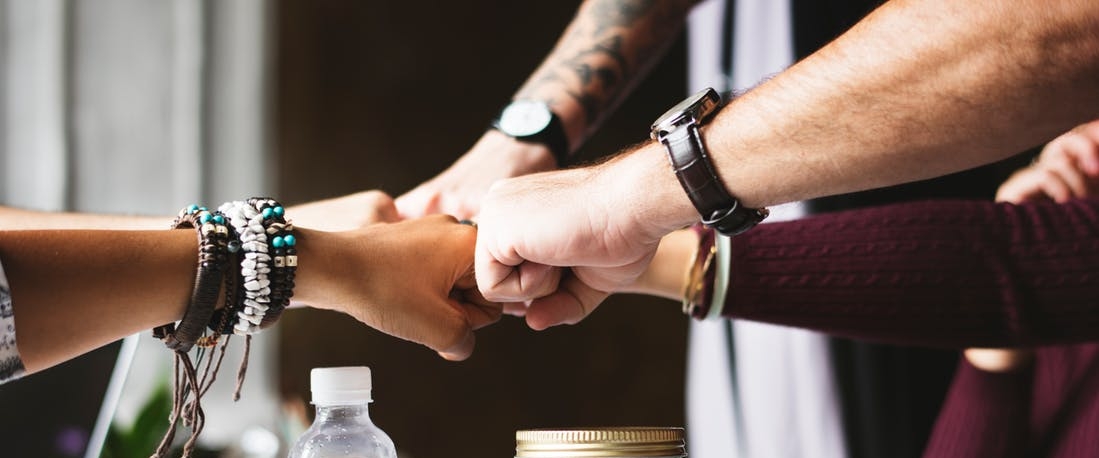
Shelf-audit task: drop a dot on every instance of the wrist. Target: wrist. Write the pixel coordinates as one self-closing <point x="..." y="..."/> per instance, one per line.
<point x="679" y="130"/>
<point x="497" y="149"/>
<point x="317" y="267"/>
<point x="666" y="275"/>
<point x="654" y="198"/>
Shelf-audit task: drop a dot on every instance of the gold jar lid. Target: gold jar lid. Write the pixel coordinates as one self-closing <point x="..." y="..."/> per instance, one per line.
<point x="600" y="442"/>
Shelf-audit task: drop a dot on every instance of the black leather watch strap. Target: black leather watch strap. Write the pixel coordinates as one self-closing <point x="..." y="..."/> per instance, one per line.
<point x="693" y="168"/>
<point x="555" y="139"/>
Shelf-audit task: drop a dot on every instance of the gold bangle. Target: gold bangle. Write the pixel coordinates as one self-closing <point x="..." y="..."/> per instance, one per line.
<point x="694" y="283"/>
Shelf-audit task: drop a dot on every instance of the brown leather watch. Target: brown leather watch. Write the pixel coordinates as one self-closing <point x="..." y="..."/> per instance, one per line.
<point x="678" y="130"/>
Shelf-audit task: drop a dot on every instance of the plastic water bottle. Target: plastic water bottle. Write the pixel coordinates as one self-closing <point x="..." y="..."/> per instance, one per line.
<point x="342" y="427"/>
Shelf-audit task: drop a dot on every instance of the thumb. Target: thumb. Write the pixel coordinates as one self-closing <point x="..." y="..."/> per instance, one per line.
<point x="460" y="350"/>
<point x="507" y="277"/>
<point x="417" y="203"/>
<point x="387" y="212"/>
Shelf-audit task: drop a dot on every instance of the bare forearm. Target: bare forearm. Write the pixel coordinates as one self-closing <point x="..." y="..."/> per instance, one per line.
<point x="918" y="89"/>
<point x="609" y="47"/>
<point x="76" y="290"/>
<point x="73" y="291"/>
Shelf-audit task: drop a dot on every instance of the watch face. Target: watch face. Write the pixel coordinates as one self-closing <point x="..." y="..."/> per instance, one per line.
<point x="694" y="108"/>
<point x="524" y="118"/>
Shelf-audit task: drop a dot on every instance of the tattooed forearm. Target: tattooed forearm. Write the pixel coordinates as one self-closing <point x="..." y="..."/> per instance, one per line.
<point x="597" y="82"/>
<point x="607" y="48"/>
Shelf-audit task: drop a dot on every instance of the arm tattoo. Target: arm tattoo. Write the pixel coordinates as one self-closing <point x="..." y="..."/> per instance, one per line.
<point x="610" y="43"/>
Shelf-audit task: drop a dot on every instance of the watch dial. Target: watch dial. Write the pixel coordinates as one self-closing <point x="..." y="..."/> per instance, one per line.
<point x="524" y="118"/>
<point x="694" y="108"/>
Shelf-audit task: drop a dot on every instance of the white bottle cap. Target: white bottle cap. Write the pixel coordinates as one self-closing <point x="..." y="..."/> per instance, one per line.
<point x="338" y="385"/>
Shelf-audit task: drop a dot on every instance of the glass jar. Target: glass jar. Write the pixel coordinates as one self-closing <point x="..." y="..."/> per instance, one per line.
<point x="634" y="442"/>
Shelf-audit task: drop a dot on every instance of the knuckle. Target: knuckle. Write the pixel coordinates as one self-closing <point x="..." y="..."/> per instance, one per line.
<point x="444" y="218"/>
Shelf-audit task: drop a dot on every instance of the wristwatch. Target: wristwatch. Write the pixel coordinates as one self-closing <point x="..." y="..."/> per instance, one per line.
<point x="678" y="131"/>
<point x="532" y="121"/>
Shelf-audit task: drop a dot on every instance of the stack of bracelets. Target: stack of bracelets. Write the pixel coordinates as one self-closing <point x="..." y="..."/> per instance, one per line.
<point x="247" y="251"/>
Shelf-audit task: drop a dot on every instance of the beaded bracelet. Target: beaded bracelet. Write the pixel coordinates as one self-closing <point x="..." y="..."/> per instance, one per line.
<point x="212" y="259"/>
<point x="254" y="266"/>
<point x="284" y="259"/>
<point x="256" y="294"/>
<point x="269" y="263"/>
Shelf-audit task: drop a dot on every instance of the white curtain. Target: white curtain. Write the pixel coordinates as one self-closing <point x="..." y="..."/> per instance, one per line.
<point x="773" y="393"/>
<point x="141" y="107"/>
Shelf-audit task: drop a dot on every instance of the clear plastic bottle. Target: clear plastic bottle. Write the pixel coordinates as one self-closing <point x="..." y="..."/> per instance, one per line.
<point x="343" y="427"/>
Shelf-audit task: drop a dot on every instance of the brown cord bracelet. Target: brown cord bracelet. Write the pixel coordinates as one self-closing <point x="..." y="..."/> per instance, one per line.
<point x="213" y="237"/>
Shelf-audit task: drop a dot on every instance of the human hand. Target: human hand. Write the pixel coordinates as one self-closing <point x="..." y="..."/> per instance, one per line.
<point x="411" y="279"/>
<point x="595" y="221"/>
<point x="346" y="213"/>
<point x="1067" y="168"/>
<point x="459" y="189"/>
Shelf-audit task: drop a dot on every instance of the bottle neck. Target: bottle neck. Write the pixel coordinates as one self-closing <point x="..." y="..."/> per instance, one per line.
<point x="343" y="411"/>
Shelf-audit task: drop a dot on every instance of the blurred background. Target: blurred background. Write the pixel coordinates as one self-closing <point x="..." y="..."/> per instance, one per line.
<point x="132" y="106"/>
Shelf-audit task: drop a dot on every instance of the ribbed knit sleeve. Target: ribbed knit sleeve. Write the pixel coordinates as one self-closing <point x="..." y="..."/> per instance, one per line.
<point x="985" y="414"/>
<point x="941" y="273"/>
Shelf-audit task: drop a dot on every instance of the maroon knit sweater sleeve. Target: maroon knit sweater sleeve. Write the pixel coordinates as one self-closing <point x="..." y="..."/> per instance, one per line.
<point x="941" y="273"/>
<point x="985" y="414"/>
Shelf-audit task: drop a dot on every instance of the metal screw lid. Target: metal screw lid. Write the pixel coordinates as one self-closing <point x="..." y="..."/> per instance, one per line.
<point x="600" y="442"/>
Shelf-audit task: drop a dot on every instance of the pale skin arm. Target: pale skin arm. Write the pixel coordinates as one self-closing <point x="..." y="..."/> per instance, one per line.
<point x="918" y="89"/>
<point x="1067" y="168"/>
<point x="916" y="79"/>
<point x="606" y="50"/>
<point x="76" y="290"/>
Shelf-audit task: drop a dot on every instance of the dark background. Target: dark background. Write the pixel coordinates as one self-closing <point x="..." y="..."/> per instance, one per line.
<point x="386" y="95"/>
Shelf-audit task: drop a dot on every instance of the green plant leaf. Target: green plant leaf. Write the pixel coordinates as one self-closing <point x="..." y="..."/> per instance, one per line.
<point x="141" y="439"/>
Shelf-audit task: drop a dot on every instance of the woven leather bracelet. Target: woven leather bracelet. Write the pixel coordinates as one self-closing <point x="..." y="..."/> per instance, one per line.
<point x="223" y="319"/>
<point x="213" y="239"/>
